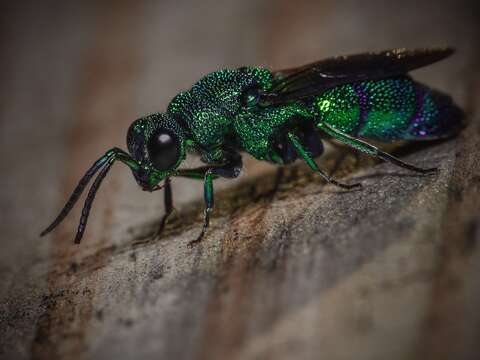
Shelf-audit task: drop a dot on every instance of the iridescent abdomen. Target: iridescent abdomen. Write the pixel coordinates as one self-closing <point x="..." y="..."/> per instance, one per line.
<point x="388" y="110"/>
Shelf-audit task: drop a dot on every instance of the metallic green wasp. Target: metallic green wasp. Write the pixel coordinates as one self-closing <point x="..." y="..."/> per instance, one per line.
<point x="279" y="116"/>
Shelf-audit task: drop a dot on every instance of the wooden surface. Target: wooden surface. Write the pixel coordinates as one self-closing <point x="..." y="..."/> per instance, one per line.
<point x="306" y="272"/>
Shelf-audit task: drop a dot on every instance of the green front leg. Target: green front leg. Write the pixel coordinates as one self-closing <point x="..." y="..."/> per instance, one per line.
<point x="368" y="148"/>
<point x="231" y="169"/>
<point x="208" y="197"/>
<point x="207" y="175"/>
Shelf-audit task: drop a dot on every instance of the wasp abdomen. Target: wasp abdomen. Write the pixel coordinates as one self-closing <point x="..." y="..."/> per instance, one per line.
<point x="388" y="110"/>
<point x="436" y="116"/>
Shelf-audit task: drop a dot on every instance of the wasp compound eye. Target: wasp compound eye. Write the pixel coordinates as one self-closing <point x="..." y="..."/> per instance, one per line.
<point x="251" y="97"/>
<point x="163" y="149"/>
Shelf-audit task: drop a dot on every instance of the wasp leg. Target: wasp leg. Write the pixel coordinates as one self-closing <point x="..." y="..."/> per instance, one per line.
<point x="278" y="181"/>
<point x="169" y="209"/>
<point x="370" y="149"/>
<point x="313" y="165"/>
<point x="208" y="198"/>
<point x="208" y="173"/>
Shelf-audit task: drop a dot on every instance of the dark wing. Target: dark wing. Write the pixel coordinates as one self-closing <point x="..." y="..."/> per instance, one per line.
<point x="315" y="78"/>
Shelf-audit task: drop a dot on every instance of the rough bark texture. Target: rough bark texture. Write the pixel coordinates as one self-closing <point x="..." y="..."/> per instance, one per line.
<point x="305" y="271"/>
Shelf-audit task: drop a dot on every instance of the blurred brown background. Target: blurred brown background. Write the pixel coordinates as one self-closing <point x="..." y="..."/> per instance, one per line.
<point x="388" y="273"/>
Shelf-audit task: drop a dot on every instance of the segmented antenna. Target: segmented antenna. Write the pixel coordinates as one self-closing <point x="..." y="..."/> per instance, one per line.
<point x="89" y="200"/>
<point x="77" y="193"/>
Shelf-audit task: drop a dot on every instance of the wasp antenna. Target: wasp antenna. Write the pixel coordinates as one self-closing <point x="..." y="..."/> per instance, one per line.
<point x="89" y="200"/>
<point x="77" y="192"/>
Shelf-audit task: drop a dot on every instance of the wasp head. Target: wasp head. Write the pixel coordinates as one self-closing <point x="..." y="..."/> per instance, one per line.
<point x="157" y="143"/>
